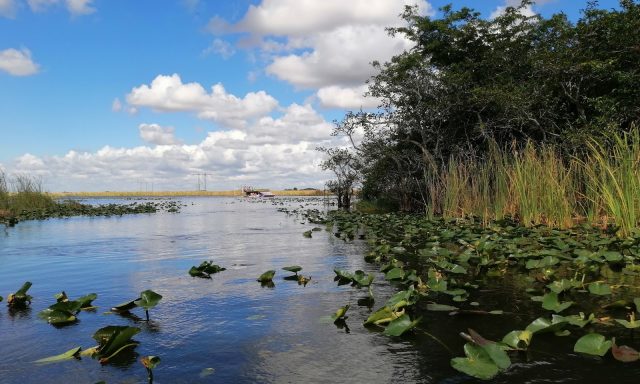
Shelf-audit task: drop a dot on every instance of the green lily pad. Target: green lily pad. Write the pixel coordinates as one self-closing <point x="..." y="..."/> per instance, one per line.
<point x="451" y="267"/>
<point x="543" y="325"/>
<point x="441" y="307"/>
<point x="400" y="325"/>
<point x="307" y="234"/>
<point x="114" y="339"/>
<point x="148" y="299"/>
<point x="362" y="279"/>
<point x="560" y="286"/>
<point x="550" y="301"/>
<point x="518" y="339"/>
<point x="394" y="274"/>
<point x="592" y="344"/>
<point x="87" y="300"/>
<point x="340" y="314"/>
<point x="125" y="307"/>
<point x="267" y="276"/>
<point x="547" y="261"/>
<point x="599" y="289"/>
<point x="293" y="268"/>
<point x="382" y="316"/>
<point x="20" y="298"/>
<point x="70" y="354"/>
<point x="57" y="317"/>
<point x="477" y="363"/>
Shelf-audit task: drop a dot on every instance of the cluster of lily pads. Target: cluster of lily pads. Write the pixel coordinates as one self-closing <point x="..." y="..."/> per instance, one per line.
<point x="266" y="279"/>
<point x="112" y="340"/>
<point x="449" y="261"/>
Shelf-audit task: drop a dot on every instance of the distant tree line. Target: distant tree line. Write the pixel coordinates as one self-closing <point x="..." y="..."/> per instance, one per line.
<point x="470" y="84"/>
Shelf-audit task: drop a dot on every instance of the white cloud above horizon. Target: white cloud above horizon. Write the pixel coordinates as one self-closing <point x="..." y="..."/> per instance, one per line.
<point x="8" y="8"/>
<point x="271" y="152"/>
<point x="170" y="94"/>
<point x="324" y="46"/>
<point x="18" y="62"/>
<point x="75" y="7"/>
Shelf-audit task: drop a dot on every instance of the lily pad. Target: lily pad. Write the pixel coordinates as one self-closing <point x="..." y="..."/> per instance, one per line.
<point x="550" y="301"/>
<point x="362" y="279"/>
<point x="267" y="276"/>
<point x="125" y="307"/>
<point x="340" y="313"/>
<point x="400" y="325"/>
<point x="394" y="274"/>
<point x="599" y="289"/>
<point x="518" y="339"/>
<point x="148" y="299"/>
<point x="114" y="339"/>
<point x="477" y="363"/>
<point x="293" y="268"/>
<point x="592" y="344"/>
<point x="20" y="298"/>
<point x="70" y="354"/>
<point x="150" y="362"/>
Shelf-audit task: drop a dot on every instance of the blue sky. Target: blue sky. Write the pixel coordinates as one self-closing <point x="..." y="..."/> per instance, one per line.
<point x="117" y="94"/>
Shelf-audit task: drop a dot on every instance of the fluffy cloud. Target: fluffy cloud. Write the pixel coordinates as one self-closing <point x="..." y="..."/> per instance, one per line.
<point x="17" y="62"/>
<point x="157" y="134"/>
<point x="268" y="152"/>
<point x="170" y="94"/>
<point x="7" y="8"/>
<point x="527" y="11"/>
<point x="75" y="7"/>
<point x="346" y="97"/>
<point x="327" y="45"/>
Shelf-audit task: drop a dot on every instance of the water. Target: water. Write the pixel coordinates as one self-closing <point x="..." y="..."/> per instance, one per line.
<point x="230" y="325"/>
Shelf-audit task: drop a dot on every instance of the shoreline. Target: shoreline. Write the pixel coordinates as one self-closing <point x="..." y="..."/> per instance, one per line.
<point x="237" y="192"/>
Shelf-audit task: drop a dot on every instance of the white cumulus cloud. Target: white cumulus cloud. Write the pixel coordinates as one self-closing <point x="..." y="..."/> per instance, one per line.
<point x="170" y="94"/>
<point x="17" y="62"/>
<point x="75" y="7"/>
<point x="346" y="97"/>
<point x="324" y="45"/>
<point x="272" y="152"/>
<point x="157" y="134"/>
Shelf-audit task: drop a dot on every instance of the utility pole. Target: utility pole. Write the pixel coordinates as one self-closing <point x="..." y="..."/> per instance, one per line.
<point x="204" y="176"/>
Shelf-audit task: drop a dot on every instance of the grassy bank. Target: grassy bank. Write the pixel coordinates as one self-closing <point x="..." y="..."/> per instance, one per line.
<point x="536" y="185"/>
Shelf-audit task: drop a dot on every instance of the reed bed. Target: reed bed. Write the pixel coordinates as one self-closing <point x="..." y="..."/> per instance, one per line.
<point x="537" y="185"/>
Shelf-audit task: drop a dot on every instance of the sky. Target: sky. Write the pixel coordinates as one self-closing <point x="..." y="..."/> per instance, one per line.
<point x="124" y="95"/>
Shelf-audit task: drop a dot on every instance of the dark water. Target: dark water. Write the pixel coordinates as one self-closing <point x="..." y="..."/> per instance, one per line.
<point x="241" y="332"/>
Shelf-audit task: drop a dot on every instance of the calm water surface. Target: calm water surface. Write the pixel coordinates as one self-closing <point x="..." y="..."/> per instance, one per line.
<point x="230" y="324"/>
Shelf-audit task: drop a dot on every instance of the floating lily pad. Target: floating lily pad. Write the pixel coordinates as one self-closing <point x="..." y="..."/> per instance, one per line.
<point x="20" y="298"/>
<point x="518" y="339"/>
<point x="599" y="289"/>
<point x="624" y="353"/>
<point x="400" y="325"/>
<point x="394" y="274"/>
<point x="70" y="354"/>
<point x="477" y="363"/>
<point x="441" y="307"/>
<point x="112" y="340"/>
<point x="267" y="276"/>
<point x="592" y="344"/>
<point x="293" y="268"/>
<point x="550" y="301"/>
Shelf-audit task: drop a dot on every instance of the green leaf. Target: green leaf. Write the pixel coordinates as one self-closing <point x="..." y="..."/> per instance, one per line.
<point x="592" y="344"/>
<point x="518" y="339"/>
<point x="600" y="289"/>
<point x="293" y="268"/>
<point x="126" y="306"/>
<point x="113" y="339"/>
<point x="498" y="355"/>
<point x="394" y="274"/>
<point x="195" y="272"/>
<point x="477" y="363"/>
<point x="382" y="316"/>
<point x="307" y="234"/>
<point x="560" y="286"/>
<point x="70" y="354"/>
<point x="86" y="301"/>
<point x="362" y="279"/>
<point x="340" y="313"/>
<point x="267" y="276"/>
<point x="56" y="317"/>
<point x="550" y="302"/>
<point x="148" y="299"/>
<point x="441" y="307"/>
<point x="400" y="325"/>
<point x="542" y="263"/>
<point x="542" y="325"/>
<point x="451" y="267"/>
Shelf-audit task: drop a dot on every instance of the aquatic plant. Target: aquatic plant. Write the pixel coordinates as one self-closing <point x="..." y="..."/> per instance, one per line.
<point x="148" y="299"/>
<point x="293" y="268"/>
<point x="267" y="277"/>
<point x="20" y="299"/>
<point x="205" y="270"/>
<point x="149" y="363"/>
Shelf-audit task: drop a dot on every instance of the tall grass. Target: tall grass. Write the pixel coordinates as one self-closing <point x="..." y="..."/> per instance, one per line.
<point x="537" y="185"/>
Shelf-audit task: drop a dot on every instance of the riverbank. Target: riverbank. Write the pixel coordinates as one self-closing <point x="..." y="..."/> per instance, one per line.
<point x="236" y="192"/>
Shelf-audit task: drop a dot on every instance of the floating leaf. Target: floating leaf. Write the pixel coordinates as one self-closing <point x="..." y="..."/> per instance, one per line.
<point x="206" y="372"/>
<point x="382" y="316"/>
<point x="125" y="307"/>
<point x="340" y="313"/>
<point x="56" y="317"/>
<point x="477" y="363"/>
<point x="114" y="339"/>
<point x="550" y="301"/>
<point x="307" y="234"/>
<point x="70" y="354"/>
<point x="631" y="324"/>
<point x="267" y="276"/>
<point x="293" y="268"/>
<point x="451" y="267"/>
<point x="624" y="353"/>
<point x="560" y="286"/>
<point x="148" y="299"/>
<point x="86" y="301"/>
<point x="400" y="325"/>
<point x="518" y="339"/>
<point x="600" y="289"/>
<point x="542" y="325"/>
<point x="394" y="274"/>
<point x="362" y="279"/>
<point x="592" y="344"/>
<point x="547" y="261"/>
<point x="441" y="307"/>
